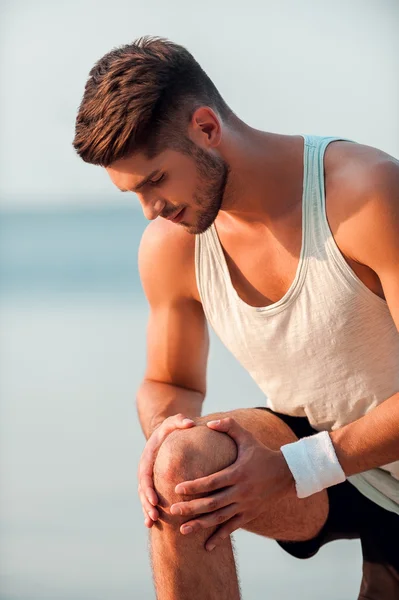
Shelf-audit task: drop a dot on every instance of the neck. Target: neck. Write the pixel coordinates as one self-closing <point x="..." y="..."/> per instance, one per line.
<point x="265" y="179"/>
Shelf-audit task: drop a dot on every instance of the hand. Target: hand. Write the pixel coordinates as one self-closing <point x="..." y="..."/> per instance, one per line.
<point x="240" y="492"/>
<point x="147" y="494"/>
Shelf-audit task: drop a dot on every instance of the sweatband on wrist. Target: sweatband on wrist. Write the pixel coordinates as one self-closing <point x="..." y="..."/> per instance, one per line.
<point x="313" y="464"/>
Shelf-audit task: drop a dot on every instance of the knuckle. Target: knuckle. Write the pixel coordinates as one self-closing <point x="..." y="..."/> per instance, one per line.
<point x="208" y="485"/>
<point x="220" y="518"/>
<point x="212" y="503"/>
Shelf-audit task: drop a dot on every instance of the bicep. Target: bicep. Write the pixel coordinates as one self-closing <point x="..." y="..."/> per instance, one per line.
<point x="177" y="334"/>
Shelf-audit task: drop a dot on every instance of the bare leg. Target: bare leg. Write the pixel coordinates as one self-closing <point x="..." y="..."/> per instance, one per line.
<point x="183" y="569"/>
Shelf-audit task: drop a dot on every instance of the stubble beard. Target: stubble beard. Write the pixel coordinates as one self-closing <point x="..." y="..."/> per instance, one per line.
<point x="214" y="171"/>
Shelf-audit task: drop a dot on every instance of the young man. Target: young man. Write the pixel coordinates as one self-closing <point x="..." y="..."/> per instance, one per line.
<point x="289" y="247"/>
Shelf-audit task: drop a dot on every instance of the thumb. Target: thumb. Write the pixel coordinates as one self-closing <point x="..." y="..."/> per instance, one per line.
<point x="232" y="428"/>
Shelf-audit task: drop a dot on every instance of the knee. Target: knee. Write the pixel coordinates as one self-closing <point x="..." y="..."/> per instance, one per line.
<point x="187" y="454"/>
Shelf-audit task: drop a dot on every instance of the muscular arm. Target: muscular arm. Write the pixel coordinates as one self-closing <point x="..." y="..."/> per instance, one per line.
<point x="177" y="336"/>
<point x="371" y="441"/>
<point x="372" y="227"/>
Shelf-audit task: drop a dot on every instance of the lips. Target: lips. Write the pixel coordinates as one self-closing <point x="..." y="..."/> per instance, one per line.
<point x="177" y="218"/>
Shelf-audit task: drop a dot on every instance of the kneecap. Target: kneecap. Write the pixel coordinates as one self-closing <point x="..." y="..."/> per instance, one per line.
<point x="187" y="454"/>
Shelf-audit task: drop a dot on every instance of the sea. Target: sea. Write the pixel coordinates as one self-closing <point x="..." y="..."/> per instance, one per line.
<point x="72" y="354"/>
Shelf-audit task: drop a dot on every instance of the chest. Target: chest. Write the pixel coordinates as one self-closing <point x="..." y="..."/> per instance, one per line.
<point x="263" y="266"/>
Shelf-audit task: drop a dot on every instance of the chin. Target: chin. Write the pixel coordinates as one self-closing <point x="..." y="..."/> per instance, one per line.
<point x="192" y="229"/>
<point x="203" y="221"/>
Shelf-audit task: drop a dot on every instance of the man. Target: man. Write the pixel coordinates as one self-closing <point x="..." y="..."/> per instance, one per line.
<point x="289" y="247"/>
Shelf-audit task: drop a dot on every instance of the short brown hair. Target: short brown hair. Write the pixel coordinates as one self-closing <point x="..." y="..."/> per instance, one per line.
<point x="140" y="97"/>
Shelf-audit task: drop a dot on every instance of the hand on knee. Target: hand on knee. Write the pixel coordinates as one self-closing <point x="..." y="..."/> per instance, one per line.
<point x="186" y="455"/>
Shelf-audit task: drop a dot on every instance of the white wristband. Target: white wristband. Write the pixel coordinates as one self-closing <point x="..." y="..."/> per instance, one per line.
<point x="313" y="464"/>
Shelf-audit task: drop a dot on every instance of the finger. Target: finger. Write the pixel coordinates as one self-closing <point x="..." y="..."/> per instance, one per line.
<point x="223" y="532"/>
<point x="149" y="510"/>
<point x="147" y="486"/>
<point x="150" y="451"/>
<point x="232" y="428"/>
<point x="214" y="518"/>
<point x="158" y="436"/>
<point x="148" y="522"/>
<point x="216" y="481"/>
<point x="204" y="505"/>
<point x="146" y="504"/>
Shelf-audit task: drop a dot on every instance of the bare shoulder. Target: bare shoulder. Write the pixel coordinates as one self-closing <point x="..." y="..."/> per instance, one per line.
<point x="362" y="197"/>
<point x="166" y="260"/>
<point x="358" y="173"/>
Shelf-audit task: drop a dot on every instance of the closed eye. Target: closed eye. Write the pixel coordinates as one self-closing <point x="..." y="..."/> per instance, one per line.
<point x="157" y="181"/>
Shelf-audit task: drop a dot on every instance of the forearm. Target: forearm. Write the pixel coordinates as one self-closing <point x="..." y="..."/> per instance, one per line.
<point x="156" y="401"/>
<point x="371" y="441"/>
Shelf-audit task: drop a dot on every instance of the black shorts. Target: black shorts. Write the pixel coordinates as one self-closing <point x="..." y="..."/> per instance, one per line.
<point x="352" y="515"/>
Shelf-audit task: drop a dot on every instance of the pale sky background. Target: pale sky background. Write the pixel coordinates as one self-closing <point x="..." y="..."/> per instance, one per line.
<point x="290" y="66"/>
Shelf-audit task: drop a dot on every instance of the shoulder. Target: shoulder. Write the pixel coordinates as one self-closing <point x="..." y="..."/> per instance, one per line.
<point x="362" y="197"/>
<point x="359" y="169"/>
<point x="166" y="260"/>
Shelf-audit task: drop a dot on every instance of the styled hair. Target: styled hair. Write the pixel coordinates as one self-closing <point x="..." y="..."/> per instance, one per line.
<point x="140" y="97"/>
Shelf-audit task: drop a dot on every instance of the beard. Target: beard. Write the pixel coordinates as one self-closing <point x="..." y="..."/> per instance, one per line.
<point x="213" y="171"/>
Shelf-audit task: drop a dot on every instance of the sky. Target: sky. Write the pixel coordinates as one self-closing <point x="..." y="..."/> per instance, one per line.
<point x="327" y="67"/>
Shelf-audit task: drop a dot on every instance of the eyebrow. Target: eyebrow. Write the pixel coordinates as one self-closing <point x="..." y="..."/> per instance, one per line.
<point x="143" y="182"/>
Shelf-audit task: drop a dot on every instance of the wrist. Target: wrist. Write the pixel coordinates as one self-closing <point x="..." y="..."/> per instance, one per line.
<point x="313" y="463"/>
<point x="282" y="467"/>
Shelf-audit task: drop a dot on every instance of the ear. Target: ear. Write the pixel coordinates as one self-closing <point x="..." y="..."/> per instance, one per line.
<point x="205" y="128"/>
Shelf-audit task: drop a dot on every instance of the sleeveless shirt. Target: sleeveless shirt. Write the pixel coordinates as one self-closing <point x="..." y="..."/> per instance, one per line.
<point x="328" y="350"/>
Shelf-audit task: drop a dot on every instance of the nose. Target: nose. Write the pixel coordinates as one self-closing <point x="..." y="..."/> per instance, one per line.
<point x="151" y="209"/>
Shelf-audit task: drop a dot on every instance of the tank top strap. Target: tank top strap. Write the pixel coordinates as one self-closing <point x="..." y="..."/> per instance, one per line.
<point x="320" y="241"/>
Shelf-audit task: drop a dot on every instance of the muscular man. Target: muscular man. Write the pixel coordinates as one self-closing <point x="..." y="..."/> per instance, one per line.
<point x="289" y="247"/>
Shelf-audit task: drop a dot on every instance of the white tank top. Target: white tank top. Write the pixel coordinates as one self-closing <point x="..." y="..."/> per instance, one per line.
<point x="329" y="349"/>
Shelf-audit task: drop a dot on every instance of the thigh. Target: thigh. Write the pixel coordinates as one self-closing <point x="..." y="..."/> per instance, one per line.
<point x="352" y="515"/>
<point x="292" y="518"/>
<point x="265" y="425"/>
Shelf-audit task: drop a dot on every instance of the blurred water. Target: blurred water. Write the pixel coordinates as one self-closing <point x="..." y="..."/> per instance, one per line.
<point x="70" y="251"/>
<point x="72" y="322"/>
